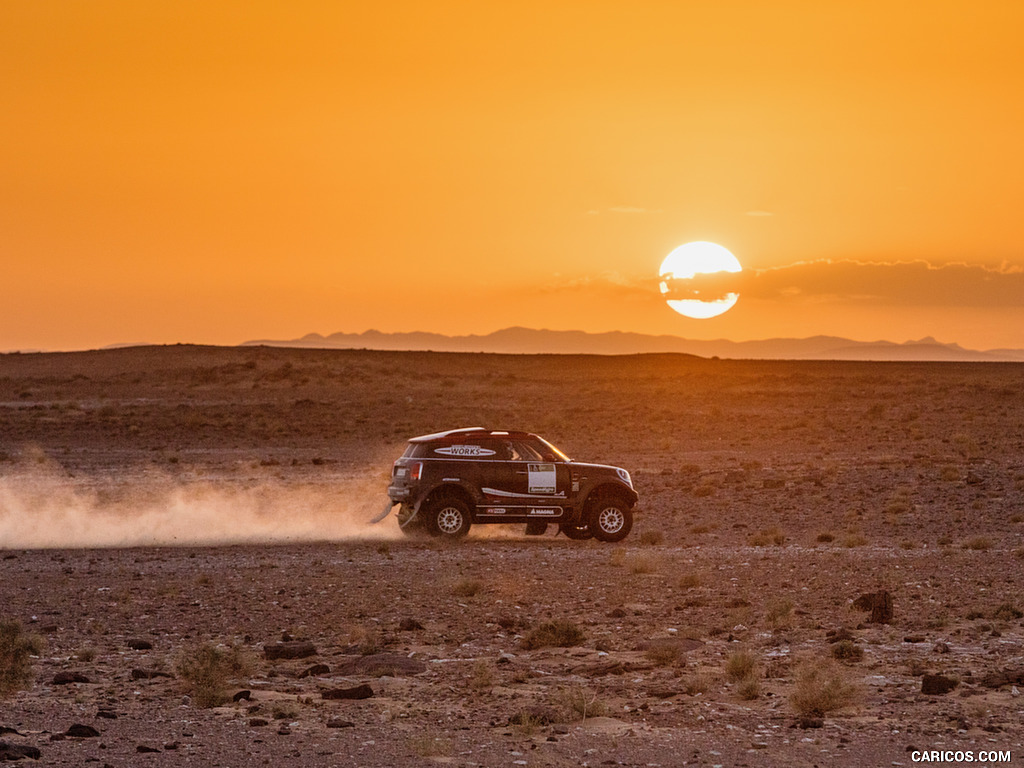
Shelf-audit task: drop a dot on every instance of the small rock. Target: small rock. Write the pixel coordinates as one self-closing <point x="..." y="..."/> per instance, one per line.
<point x="106" y="714"/>
<point x="363" y="691"/>
<point x="838" y="635"/>
<point x="335" y="722"/>
<point x="617" y="613"/>
<point x="244" y="695"/>
<point x="284" y="730"/>
<point x="148" y="674"/>
<point x="913" y="639"/>
<point x="66" y="678"/>
<point x="257" y="722"/>
<point x="941" y="647"/>
<point x="381" y="664"/>
<point x="172" y="745"/>
<point x="80" y="731"/>
<point x="409" y="624"/>
<point x="139" y="644"/>
<point x="144" y="749"/>
<point x="937" y="685"/>
<point x="315" y="671"/>
<point x="810" y="722"/>
<point x="14" y="752"/>
<point x="292" y="649"/>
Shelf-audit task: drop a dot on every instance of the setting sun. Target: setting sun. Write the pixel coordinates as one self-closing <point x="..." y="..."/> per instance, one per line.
<point x="684" y="285"/>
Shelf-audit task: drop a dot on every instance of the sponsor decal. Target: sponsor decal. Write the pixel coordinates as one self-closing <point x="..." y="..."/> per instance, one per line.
<point x="509" y="495"/>
<point x="542" y="478"/>
<point x="495" y="510"/>
<point x="545" y="511"/>
<point x="464" y="450"/>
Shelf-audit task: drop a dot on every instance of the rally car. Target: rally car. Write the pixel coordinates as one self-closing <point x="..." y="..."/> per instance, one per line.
<point x="448" y="481"/>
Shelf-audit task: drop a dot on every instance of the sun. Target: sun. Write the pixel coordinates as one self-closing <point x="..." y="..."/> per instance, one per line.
<point x="695" y="279"/>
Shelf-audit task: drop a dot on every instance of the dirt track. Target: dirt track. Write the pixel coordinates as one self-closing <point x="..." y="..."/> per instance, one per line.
<point x="772" y="495"/>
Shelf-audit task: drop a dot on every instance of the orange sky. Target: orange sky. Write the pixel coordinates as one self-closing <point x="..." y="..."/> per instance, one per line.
<point x="217" y="172"/>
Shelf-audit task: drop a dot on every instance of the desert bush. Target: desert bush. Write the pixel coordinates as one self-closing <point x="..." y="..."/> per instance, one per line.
<point x="854" y="540"/>
<point x="641" y="564"/>
<point x="207" y="669"/>
<point x="978" y="543"/>
<point x="697" y="683"/>
<point x="482" y="677"/>
<point x="284" y="710"/>
<point x="427" y="745"/>
<point x="825" y="538"/>
<point x="16" y="651"/>
<point x="467" y="587"/>
<point x="1007" y="612"/>
<point x="579" y="704"/>
<point x="560" y="633"/>
<point x="652" y="538"/>
<point x="949" y="474"/>
<point x="779" y="613"/>
<point x="821" y="688"/>
<point x="740" y="665"/>
<point x="847" y="651"/>
<point x="664" y="654"/>
<point x="690" y="581"/>
<point x="766" y="537"/>
<point x="749" y="688"/>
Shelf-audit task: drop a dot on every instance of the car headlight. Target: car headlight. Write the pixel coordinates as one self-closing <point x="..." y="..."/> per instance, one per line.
<point x="624" y="475"/>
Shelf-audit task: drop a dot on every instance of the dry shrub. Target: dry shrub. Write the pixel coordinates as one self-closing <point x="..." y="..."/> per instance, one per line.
<point x="16" y="651"/>
<point x="560" y="633"/>
<point x="579" y="704"/>
<point x="1008" y="612"/>
<point x="847" y="651"/>
<point x="641" y="564"/>
<point x="779" y="613"/>
<point x="690" y="581"/>
<point x="741" y="665"/>
<point x="978" y="543"/>
<point x="770" y="536"/>
<point x="427" y="745"/>
<point x="467" y="587"/>
<point x="825" y="538"/>
<point x="664" y="654"/>
<point x="697" y="683"/>
<point x="207" y="669"/>
<point x="482" y="677"/>
<point x="652" y="538"/>
<point x="821" y="688"/>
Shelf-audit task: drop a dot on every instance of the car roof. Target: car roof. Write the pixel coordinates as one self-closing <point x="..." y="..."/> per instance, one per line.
<point x="470" y="432"/>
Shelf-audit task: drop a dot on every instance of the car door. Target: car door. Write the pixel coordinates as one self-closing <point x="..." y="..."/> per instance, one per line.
<point x="542" y="483"/>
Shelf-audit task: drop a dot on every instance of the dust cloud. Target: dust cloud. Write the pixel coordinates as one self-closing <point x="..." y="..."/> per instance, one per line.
<point x="45" y="508"/>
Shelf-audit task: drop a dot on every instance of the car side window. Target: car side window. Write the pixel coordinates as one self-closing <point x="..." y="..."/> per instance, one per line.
<point x="526" y="452"/>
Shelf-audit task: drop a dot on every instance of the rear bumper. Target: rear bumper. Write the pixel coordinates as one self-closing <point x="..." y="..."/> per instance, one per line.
<point x="399" y="494"/>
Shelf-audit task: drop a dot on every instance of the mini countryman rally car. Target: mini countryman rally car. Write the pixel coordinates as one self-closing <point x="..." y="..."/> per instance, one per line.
<point x="447" y="481"/>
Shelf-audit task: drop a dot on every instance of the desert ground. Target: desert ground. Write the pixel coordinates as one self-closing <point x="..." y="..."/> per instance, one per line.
<point x="174" y="518"/>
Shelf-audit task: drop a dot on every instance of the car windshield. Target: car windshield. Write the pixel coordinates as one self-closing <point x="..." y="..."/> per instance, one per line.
<point x="559" y="455"/>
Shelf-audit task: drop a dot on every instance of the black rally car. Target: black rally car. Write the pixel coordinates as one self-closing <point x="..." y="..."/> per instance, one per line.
<point x="447" y="481"/>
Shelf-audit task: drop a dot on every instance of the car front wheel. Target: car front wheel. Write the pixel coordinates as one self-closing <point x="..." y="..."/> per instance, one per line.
<point x="610" y="520"/>
<point x="447" y="517"/>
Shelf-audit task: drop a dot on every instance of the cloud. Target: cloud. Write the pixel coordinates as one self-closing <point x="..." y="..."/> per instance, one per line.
<point x="846" y="282"/>
<point x="911" y="283"/>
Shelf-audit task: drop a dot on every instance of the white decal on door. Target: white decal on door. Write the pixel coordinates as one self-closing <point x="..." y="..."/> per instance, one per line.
<point x="542" y="478"/>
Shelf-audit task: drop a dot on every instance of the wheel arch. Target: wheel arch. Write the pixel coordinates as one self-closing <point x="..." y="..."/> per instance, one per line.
<point x="450" y="490"/>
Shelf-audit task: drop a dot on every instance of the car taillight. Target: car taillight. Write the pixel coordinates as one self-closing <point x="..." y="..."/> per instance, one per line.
<point x="415" y="470"/>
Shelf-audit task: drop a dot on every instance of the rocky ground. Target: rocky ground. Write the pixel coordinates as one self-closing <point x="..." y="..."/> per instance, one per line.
<point x="162" y="507"/>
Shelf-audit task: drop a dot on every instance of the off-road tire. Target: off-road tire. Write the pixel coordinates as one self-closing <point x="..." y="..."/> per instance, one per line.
<point x="609" y="518"/>
<point x="447" y="517"/>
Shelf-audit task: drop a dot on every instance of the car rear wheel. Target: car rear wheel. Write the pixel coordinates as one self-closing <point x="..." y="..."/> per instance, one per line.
<point x="611" y="519"/>
<point x="447" y="517"/>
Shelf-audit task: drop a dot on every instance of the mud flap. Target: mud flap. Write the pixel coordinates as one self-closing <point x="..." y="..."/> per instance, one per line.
<point x="387" y="511"/>
<point x="536" y="527"/>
